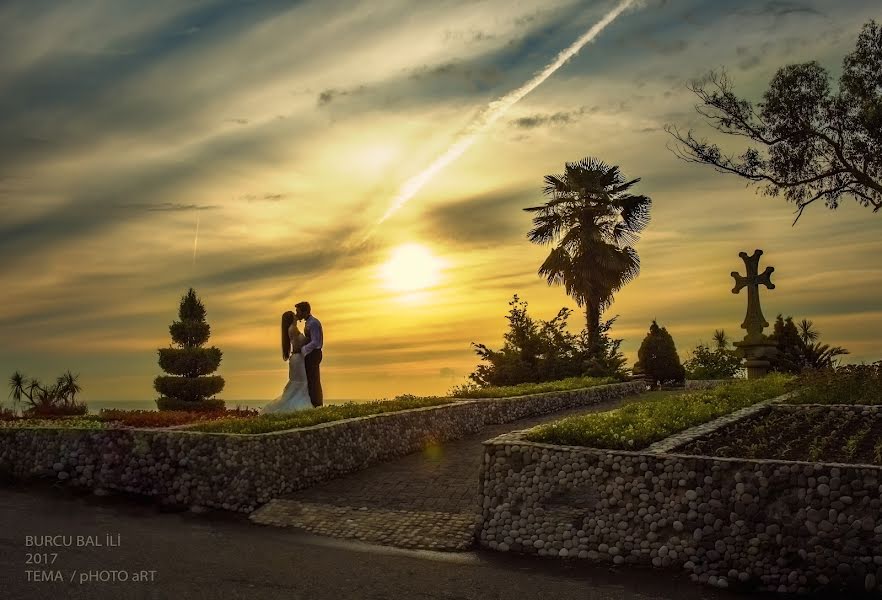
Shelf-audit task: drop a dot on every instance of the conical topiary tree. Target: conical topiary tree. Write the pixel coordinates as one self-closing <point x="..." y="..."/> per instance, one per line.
<point x="658" y="359"/>
<point x="189" y="385"/>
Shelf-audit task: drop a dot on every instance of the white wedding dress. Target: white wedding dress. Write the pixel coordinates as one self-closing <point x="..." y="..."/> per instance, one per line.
<point x="295" y="396"/>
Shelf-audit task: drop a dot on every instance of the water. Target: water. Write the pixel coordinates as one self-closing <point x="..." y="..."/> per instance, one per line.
<point x="95" y="406"/>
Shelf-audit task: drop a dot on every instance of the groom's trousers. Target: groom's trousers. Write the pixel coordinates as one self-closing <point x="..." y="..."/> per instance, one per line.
<point x="313" y="378"/>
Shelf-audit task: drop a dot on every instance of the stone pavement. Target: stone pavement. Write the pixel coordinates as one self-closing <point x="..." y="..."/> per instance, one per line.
<point x="427" y="500"/>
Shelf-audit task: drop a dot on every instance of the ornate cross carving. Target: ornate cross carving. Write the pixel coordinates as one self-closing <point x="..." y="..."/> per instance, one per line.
<point x="754" y="321"/>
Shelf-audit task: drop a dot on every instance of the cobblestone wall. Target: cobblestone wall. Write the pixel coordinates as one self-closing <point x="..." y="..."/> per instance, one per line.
<point x="239" y="472"/>
<point x="758" y="524"/>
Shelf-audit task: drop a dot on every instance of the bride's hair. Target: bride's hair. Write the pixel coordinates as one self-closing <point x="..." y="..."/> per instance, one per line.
<point x="287" y="320"/>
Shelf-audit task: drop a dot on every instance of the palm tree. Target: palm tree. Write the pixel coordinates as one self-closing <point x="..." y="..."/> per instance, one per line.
<point x="593" y="221"/>
<point x="721" y="339"/>
<point x="17" y="388"/>
<point x="68" y="387"/>
<point x="806" y="333"/>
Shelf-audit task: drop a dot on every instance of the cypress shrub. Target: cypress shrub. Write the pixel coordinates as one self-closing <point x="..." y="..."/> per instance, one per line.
<point x="189" y="384"/>
<point x="657" y="358"/>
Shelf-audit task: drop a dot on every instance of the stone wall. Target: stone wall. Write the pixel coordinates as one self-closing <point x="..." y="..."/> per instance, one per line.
<point x="758" y="524"/>
<point x="239" y="472"/>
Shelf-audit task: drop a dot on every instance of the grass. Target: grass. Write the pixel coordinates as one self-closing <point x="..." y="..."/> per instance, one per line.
<point x="247" y="421"/>
<point x="78" y="422"/>
<point x="324" y="414"/>
<point x="523" y="389"/>
<point x="851" y="384"/>
<point x="638" y="424"/>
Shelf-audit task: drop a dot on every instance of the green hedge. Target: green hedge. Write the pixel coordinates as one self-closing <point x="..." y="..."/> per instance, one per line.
<point x="190" y="333"/>
<point x="324" y="414"/>
<point x="191" y="362"/>
<point x="643" y="422"/>
<point x="188" y="388"/>
<point x="209" y="404"/>
<point x="523" y="389"/>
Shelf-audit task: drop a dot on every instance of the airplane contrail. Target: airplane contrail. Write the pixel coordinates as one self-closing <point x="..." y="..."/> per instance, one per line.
<point x="196" y="238"/>
<point x="493" y="112"/>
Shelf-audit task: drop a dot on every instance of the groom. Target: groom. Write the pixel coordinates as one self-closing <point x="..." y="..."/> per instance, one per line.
<point x="312" y="350"/>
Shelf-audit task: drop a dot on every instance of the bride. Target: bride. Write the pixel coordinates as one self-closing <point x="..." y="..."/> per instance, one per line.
<point x="296" y="393"/>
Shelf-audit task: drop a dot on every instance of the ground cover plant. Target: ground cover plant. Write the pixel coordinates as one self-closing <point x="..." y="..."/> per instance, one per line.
<point x="638" y="424"/>
<point x="171" y="418"/>
<point x="116" y="418"/>
<point x="815" y="434"/>
<point x="58" y="422"/>
<point x="323" y="414"/>
<point x="506" y="391"/>
<point x="850" y="384"/>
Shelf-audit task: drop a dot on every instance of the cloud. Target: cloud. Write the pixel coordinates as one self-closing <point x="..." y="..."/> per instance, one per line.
<point x="782" y="8"/>
<point x="557" y="118"/>
<point x="482" y="220"/>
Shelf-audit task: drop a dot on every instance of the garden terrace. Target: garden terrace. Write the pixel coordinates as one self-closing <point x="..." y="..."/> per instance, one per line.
<point x="700" y="501"/>
<point x="240" y="471"/>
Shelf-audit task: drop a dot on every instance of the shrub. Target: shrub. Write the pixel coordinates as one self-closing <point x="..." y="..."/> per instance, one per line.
<point x="849" y="384"/>
<point x="189" y="385"/>
<point x="721" y="362"/>
<point x="657" y="357"/>
<point x="798" y="347"/>
<point x="538" y="351"/>
<point x="59" y="399"/>
<point x="641" y="423"/>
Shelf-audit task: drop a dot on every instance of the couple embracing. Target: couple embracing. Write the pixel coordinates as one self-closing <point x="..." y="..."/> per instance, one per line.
<point x="303" y="351"/>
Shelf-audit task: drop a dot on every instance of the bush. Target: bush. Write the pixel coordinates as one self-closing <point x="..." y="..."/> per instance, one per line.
<point x="849" y="384"/>
<point x="657" y="358"/>
<point x="571" y="383"/>
<point x="539" y="351"/>
<point x="189" y="362"/>
<point x="798" y="348"/>
<point x="641" y="423"/>
<point x="189" y="389"/>
<point x="189" y="365"/>
<point x="720" y="362"/>
<point x="59" y="399"/>
<point x="206" y="405"/>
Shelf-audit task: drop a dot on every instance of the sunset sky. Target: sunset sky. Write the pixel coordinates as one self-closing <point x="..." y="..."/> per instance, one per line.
<point x="286" y="130"/>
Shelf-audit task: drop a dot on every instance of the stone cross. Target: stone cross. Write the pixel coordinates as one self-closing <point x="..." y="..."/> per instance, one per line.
<point x="754" y="321"/>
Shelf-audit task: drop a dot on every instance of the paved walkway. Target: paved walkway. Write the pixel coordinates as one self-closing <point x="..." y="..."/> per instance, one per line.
<point x="427" y="500"/>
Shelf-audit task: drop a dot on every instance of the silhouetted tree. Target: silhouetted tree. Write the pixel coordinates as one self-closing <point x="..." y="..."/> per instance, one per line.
<point x="657" y="357"/>
<point x="189" y="387"/>
<point x="592" y="221"/>
<point x="536" y="351"/>
<point x="813" y="144"/>
<point x="799" y="349"/>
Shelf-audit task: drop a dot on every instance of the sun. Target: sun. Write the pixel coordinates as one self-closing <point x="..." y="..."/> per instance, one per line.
<point x="411" y="268"/>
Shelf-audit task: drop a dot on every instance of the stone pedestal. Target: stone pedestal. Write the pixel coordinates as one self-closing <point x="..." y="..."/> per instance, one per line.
<point x="756" y="354"/>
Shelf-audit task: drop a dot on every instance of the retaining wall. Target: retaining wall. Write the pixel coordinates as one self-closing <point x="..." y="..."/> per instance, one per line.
<point x="760" y="524"/>
<point x="238" y="471"/>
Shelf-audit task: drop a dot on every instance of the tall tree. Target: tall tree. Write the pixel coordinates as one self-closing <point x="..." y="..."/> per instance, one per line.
<point x="593" y="221"/>
<point x="809" y="143"/>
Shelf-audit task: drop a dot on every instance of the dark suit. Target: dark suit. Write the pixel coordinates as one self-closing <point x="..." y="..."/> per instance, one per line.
<point x="313" y="376"/>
